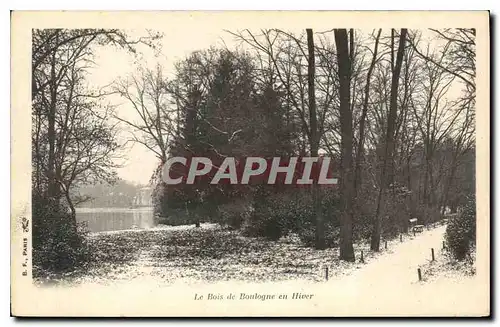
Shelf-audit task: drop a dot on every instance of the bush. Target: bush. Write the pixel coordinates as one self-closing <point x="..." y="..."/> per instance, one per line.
<point x="308" y="236"/>
<point x="263" y="224"/>
<point x="427" y="215"/>
<point x="176" y="217"/>
<point x="234" y="214"/>
<point x="460" y="234"/>
<point x="263" y="219"/>
<point x="59" y="244"/>
<point x="159" y="199"/>
<point x="276" y="215"/>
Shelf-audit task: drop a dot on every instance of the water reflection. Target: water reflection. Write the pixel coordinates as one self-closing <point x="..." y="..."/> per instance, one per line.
<point x="110" y="219"/>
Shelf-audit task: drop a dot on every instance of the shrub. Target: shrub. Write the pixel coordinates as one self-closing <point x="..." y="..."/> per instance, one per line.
<point x="427" y="215"/>
<point x="233" y="220"/>
<point x="263" y="224"/>
<point x="234" y="214"/>
<point x="308" y="236"/>
<point x="460" y="234"/>
<point x="362" y="226"/>
<point x="264" y="220"/>
<point x="159" y="199"/>
<point x="176" y="217"/>
<point x="59" y="244"/>
<point x="277" y="214"/>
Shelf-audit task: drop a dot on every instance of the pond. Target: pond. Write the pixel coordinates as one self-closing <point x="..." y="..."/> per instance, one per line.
<point x="112" y="219"/>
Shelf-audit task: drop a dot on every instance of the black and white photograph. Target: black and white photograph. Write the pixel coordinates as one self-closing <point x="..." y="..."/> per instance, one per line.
<point x="250" y="164"/>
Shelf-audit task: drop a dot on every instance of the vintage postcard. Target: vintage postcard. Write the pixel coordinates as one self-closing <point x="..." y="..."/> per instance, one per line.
<point x="213" y="164"/>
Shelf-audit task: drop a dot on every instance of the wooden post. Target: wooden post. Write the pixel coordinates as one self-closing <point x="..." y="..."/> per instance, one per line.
<point x="444" y="246"/>
<point x="419" y="274"/>
<point x="362" y="259"/>
<point x="386" y="245"/>
<point x="401" y="237"/>
<point x="326" y="273"/>
<point x="432" y="253"/>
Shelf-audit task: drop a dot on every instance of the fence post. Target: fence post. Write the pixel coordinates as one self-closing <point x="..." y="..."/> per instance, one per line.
<point x="362" y="258"/>
<point x="326" y="273"/>
<point x="386" y="245"/>
<point x="432" y="253"/>
<point x="401" y="237"/>
<point x="419" y="274"/>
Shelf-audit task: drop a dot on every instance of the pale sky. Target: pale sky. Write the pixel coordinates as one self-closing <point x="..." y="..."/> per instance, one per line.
<point x="113" y="63"/>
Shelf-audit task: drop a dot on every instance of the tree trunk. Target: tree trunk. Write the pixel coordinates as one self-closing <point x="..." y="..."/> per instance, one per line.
<point x="36" y="146"/>
<point x="360" y="150"/>
<point x="72" y="209"/>
<point x="387" y="176"/>
<point x="314" y="138"/>
<point x="346" y="182"/>
<point x="51" y="133"/>
<point x="446" y="191"/>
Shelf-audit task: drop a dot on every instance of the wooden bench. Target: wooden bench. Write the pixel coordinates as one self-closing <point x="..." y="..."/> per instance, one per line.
<point x="418" y="228"/>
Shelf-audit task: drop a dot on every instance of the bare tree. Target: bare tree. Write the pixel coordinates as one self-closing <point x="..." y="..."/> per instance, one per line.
<point x="314" y="137"/>
<point x="73" y="142"/>
<point x="366" y="100"/>
<point x="387" y="176"/>
<point x="148" y="95"/>
<point x="347" y="179"/>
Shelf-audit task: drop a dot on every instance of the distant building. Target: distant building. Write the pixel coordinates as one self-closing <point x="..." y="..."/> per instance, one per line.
<point x="143" y="197"/>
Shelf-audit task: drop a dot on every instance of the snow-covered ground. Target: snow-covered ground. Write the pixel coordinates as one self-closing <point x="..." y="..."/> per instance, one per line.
<point x="387" y="284"/>
<point x="158" y="228"/>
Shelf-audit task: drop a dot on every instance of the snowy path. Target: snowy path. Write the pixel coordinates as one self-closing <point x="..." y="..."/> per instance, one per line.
<point x="389" y="283"/>
<point x="399" y="266"/>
